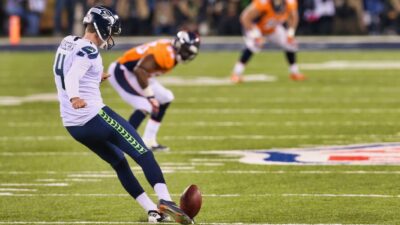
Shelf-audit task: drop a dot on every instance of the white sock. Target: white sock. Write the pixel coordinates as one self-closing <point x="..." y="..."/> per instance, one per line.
<point x="239" y="68"/>
<point x="294" y="69"/>
<point x="146" y="203"/>
<point x="162" y="191"/>
<point x="151" y="130"/>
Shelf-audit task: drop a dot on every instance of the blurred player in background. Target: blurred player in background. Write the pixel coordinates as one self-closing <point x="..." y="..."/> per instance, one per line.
<point x="78" y="71"/>
<point x="264" y="19"/>
<point x="133" y="77"/>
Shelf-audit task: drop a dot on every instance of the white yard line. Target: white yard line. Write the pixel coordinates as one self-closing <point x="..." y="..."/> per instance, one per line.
<point x="17" y="189"/>
<point x="208" y="138"/>
<point x="352" y="65"/>
<point x="130" y="222"/>
<point x="68" y="180"/>
<point x="106" y="174"/>
<point x="33" y="184"/>
<point x="237" y="123"/>
<point x="236" y="111"/>
<point x="234" y="195"/>
<point x="292" y="100"/>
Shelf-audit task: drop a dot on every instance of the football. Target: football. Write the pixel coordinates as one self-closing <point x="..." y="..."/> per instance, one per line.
<point x="191" y="201"/>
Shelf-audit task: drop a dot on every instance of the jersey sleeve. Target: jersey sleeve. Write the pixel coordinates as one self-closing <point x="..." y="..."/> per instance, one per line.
<point x="164" y="56"/>
<point x="79" y="67"/>
<point x="260" y="5"/>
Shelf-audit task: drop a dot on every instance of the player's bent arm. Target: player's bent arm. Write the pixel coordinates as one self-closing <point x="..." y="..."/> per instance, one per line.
<point x="142" y="72"/>
<point x="292" y="22"/>
<point x="247" y="17"/>
<point x="77" y="71"/>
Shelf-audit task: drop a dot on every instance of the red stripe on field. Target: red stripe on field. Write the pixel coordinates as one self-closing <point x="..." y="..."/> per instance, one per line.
<point x="348" y="158"/>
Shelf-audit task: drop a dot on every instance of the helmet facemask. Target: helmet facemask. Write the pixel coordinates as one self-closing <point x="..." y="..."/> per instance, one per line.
<point x="186" y="45"/>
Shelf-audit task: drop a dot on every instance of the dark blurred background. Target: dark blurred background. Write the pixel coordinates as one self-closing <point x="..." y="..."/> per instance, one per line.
<point x="208" y="17"/>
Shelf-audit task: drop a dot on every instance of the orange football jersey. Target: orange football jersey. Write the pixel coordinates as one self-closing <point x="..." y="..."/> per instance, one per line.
<point x="269" y="18"/>
<point x="162" y="51"/>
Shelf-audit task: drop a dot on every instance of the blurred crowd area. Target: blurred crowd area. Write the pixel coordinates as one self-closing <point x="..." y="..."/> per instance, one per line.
<point x="208" y="17"/>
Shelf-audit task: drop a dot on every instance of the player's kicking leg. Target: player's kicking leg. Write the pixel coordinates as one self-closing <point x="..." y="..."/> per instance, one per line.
<point x="129" y="141"/>
<point x="109" y="135"/>
<point x="280" y="38"/>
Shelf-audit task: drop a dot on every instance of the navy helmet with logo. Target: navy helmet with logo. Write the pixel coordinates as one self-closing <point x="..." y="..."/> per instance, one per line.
<point x="279" y="6"/>
<point x="186" y="45"/>
<point x="106" y="24"/>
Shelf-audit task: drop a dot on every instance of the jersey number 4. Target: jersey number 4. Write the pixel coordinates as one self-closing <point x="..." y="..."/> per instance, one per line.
<point x="59" y="70"/>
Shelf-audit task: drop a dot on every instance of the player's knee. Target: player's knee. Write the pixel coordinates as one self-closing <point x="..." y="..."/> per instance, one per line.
<point x="119" y="163"/>
<point x="145" y="158"/>
<point x="167" y="97"/>
<point x="146" y="109"/>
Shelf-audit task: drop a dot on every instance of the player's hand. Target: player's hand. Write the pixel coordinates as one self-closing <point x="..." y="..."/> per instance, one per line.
<point x="105" y="76"/>
<point x="259" y="42"/>
<point x="292" y="40"/>
<point x="154" y="104"/>
<point x="78" y="103"/>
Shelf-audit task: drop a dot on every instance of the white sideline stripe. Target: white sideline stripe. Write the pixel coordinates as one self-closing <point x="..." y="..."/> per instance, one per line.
<point x="207" y="138"/>
<point x="33" y="184"/>
<point x="213" y="195"/>
<point x="129" y="222"/>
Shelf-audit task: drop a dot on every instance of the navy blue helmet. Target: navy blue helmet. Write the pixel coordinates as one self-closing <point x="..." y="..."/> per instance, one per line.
<point x="106" y="23"/>
<point x="186" y="45"/>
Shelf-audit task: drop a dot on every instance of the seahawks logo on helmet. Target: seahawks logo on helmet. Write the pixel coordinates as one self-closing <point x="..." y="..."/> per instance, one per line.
<point x="186" y="45"/>
<point x="106" y="24"/>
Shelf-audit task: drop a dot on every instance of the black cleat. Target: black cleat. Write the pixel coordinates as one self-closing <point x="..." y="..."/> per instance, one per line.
<point x="174" y="211"/>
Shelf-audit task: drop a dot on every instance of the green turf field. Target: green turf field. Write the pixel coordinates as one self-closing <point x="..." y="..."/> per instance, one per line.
<point x="45" y="176"/>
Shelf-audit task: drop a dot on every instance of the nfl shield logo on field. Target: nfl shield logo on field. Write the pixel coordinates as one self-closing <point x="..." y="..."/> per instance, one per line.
<point x="363" y="154"/>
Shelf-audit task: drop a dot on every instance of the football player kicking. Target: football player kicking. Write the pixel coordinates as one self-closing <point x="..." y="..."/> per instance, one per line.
<point x="133" y="77"/>
<point x="78" y="71"/>
<point x="264" y="19"/>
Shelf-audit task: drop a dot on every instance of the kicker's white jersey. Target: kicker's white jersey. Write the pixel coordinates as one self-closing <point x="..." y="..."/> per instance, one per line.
<point x="73" y="48"/>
